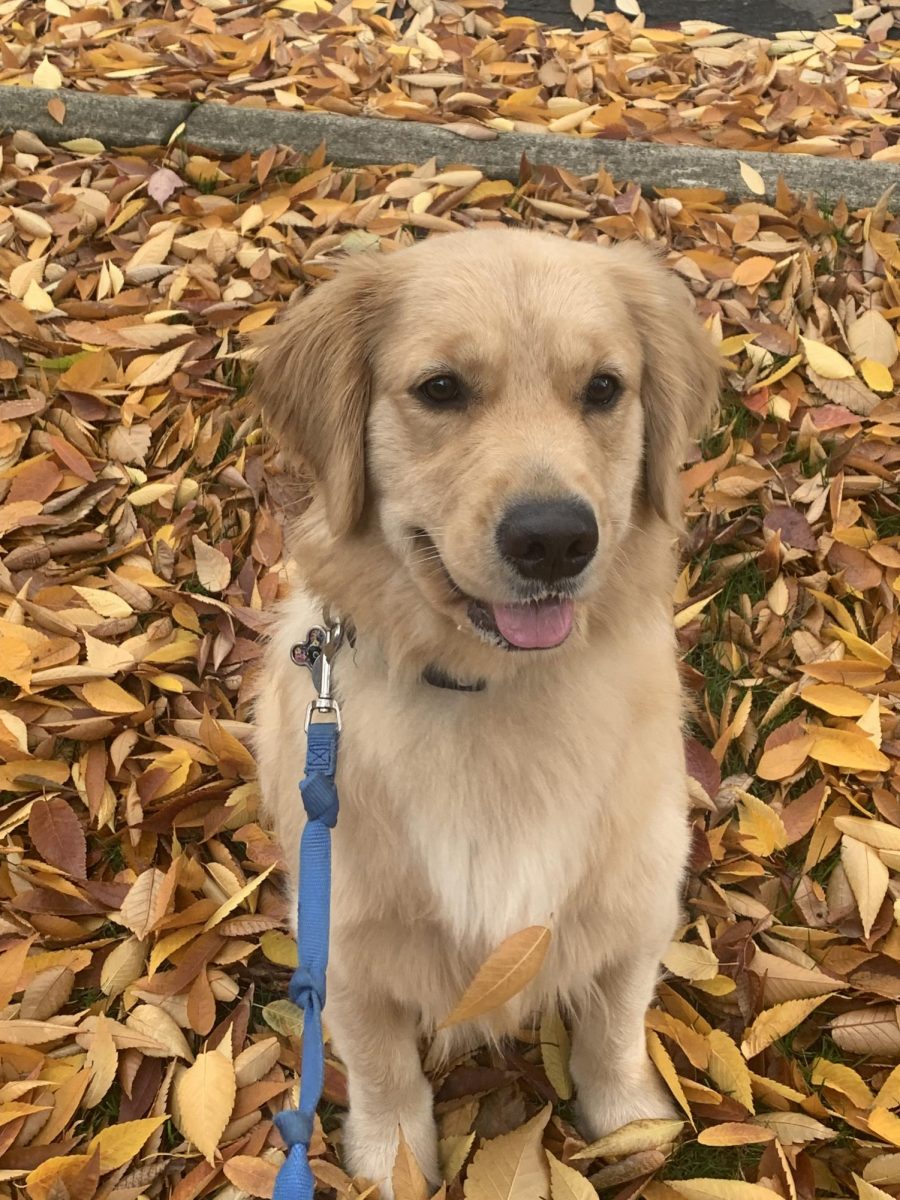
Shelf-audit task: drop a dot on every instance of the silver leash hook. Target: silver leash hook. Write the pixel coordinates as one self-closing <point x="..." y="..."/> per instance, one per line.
<point x="317" y="652"/>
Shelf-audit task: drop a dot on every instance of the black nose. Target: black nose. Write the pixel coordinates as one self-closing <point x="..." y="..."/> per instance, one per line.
<point x="548" y="539"/>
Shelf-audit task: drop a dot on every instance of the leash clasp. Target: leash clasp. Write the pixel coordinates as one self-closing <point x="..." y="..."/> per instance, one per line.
<point x="317" y="653"/>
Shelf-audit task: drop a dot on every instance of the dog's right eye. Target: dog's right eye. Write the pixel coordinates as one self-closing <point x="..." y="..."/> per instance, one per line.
<point x="441" y="391"/>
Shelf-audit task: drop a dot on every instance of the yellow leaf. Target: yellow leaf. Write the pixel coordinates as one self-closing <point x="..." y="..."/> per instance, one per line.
<point x="885" y="1125"/>
<point x="734" y="1133"/>
<point x="85" y="145"/>
<point x="691" y="961"/>
<point x="753" y="179"/>
<point x="407" y="1178"/>
<point x="453" y="1152"/>
<point x="46" y="75"/>
<point x="753" y="270"/>
<point x="868" y="878"/>
<point x="109" y="697"/>
<point x="36" y="299"/>
<point x="889" y="1092"/>
<point x="122" y="967"/>
<point x="238" y="898"/>
<point x="105" y="604"/>
<point x="156" y="1024"/>
<point x="728" y="1070"/>
<point x="876" y="375"/>
<point x="150" y="369"/>
<point x="256" y="319"/>
<point x="721" y="1189"/>
<point x="870" y="722"/>
<point x="503" y="975"/>
<point x="844" y="1080"/>
<point x="151" y="492"/>
<point x="868" y="1191"/>
<point x="251" y="1175"/>
<point x="871" y="336"/>
<point x="847" y="750"/>
<point x="15" y="659"/>
<point x="213" y="567"/>
<point x="119" y="1144"/>
<point x="646" y="1134"/>
<point x="102" y="1061"/>
<point x="733" y="345"/>
<point x="141" y="909"/>
<point x="825" y="361"/>
<point x="279" y="948"/>
<point x="859" y="649"/>
<point x="836" y="698"/>
<point x="795" y="1129"/>
<point x="775" y="1023"/>
<point x="568" y="1184"/>
<point x="778" y="373"/>
<point x="203" y="1101"/>
<point x="686" y="615"/>
<point x="489" y="188"/>
<point x="786" y="980"/>
<point x="555" y="1048"/>
<point x="781" y="761"/>
<point x="512" y="1166"/>
<point x="51" y="1179"/>
<point x="761" y="829"/>
<point x="659" y="1056"/>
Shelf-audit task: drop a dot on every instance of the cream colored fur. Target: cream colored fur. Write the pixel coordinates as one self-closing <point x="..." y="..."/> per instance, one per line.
<point x="556" y="796"/>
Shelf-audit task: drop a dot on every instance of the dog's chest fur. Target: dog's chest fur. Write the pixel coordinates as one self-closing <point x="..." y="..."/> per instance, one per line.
<point x="504" y="810"/>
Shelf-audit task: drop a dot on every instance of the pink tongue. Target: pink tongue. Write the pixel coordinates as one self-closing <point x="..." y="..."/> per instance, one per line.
<point x="535" y="626"/>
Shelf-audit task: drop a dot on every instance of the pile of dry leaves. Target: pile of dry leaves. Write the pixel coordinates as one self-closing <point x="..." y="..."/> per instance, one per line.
<point x="145" y="1034"/>
<point x="466" y="64"/>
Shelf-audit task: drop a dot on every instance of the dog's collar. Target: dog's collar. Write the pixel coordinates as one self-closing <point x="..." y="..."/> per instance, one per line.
<point x="439" y="678"/>
<point x="308" y="652"/>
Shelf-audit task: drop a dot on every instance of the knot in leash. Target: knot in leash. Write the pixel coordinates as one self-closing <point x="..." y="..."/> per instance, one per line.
<point x="320" y="795"/>
<point x="295" y="1180"/>
<point x="307" y="988"/>
<point x="295" y="1127"/>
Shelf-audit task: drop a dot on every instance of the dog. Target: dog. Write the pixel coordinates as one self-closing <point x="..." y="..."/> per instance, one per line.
<point x="491" y="426"/>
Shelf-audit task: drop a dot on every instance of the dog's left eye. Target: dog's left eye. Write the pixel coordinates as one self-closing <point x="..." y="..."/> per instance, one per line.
<point x="602" y="390"/>
<point x="441" y="391"/>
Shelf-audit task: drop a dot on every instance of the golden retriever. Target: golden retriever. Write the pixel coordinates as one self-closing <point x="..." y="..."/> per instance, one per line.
<point x="493" y="424"/>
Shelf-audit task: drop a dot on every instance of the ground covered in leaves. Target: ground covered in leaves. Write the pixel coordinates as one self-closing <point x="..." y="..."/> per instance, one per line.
<point x="145" y="1037"/>
<point x="465" y="63"/>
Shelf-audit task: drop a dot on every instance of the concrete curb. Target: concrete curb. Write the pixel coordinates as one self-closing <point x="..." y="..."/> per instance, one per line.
<point x="122" y="121"/>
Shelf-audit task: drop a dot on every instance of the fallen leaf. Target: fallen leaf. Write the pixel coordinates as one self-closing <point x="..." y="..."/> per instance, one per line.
<point x="504" y="974"/>
<point x="204" y="1097"/>
<point x="753" y="179"/>
<point x="512" y="1166"/>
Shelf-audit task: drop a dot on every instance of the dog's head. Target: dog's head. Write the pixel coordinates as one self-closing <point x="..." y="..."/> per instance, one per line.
<point x="485" y="417"/>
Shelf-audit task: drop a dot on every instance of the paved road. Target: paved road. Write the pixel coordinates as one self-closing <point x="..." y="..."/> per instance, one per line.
<point x="762" y="17"/>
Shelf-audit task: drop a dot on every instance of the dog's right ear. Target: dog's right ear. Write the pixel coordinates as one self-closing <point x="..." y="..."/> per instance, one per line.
<point x="313" y="382"/>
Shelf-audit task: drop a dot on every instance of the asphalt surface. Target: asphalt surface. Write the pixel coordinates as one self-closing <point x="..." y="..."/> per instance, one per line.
<point x="763" y="18"/>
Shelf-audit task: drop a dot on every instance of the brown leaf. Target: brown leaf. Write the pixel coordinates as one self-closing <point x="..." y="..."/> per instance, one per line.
<point x="58" y="836"/>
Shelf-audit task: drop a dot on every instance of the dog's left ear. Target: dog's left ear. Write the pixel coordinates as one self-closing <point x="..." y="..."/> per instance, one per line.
<point x="680" y="379"/>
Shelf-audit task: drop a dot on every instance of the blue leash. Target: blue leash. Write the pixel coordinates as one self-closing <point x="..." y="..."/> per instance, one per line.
<point x="295" y="1180"/>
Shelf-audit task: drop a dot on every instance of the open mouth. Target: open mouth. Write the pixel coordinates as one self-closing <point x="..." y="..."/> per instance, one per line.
<point x="539" y="623"/>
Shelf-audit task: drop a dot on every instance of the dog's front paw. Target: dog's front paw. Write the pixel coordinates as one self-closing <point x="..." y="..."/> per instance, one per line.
<point x="607" y="1106"/>
<point x="370" y="1144"/>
